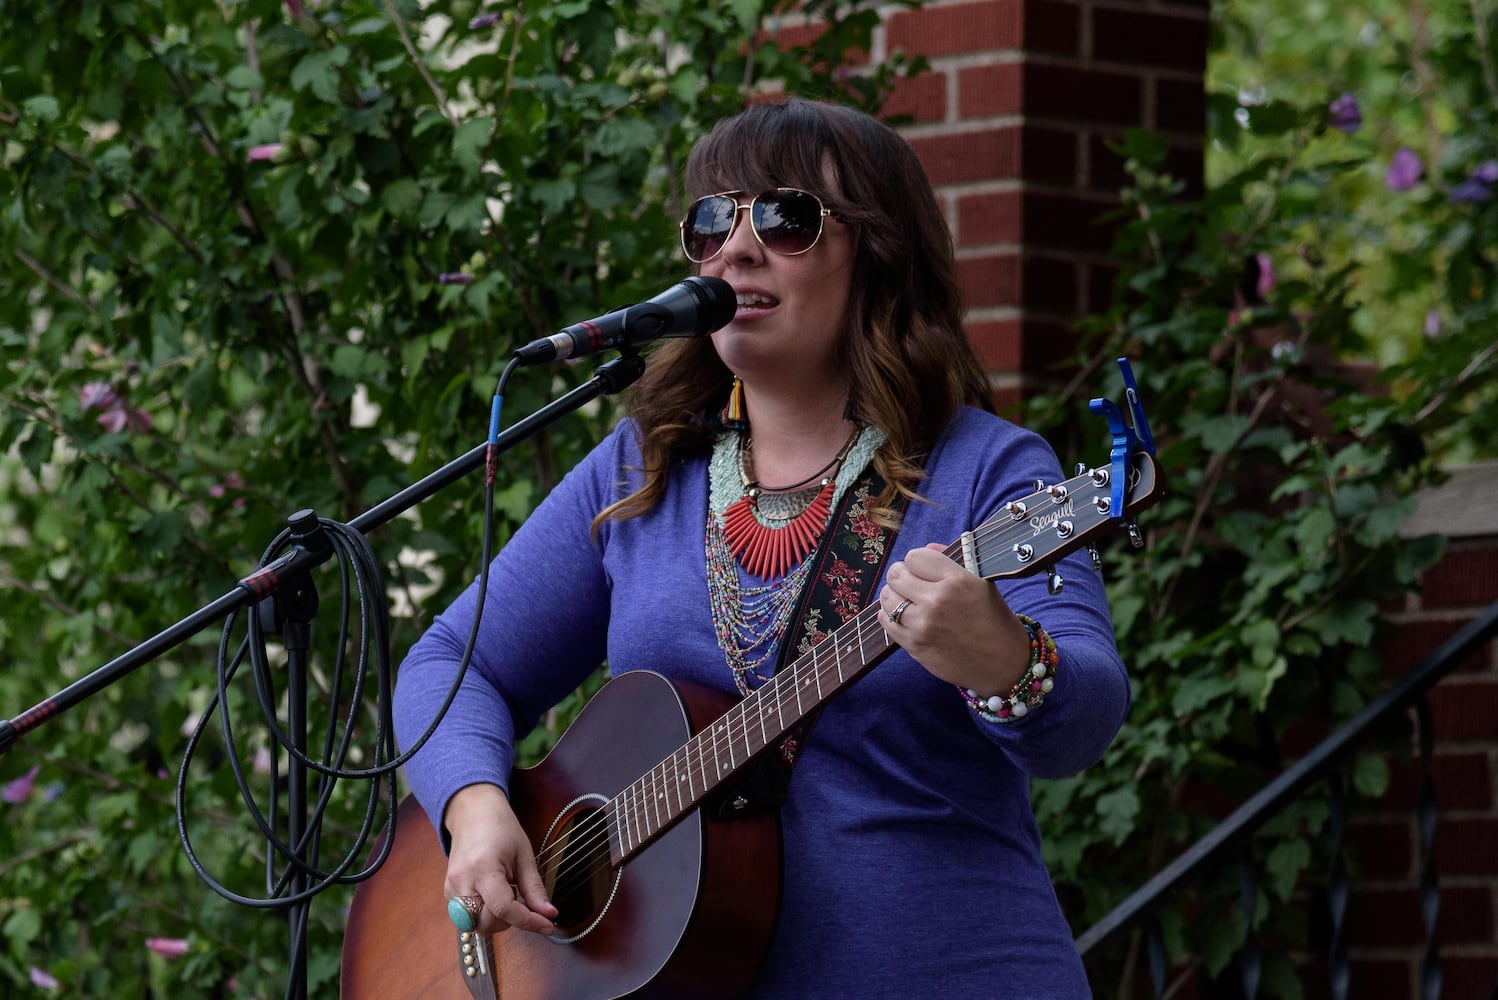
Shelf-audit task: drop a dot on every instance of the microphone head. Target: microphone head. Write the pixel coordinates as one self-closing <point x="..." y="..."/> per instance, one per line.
<point x="716" y="302"/>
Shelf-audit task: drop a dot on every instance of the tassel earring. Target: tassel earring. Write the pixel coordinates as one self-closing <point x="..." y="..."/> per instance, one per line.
<point x="733" y="417"/>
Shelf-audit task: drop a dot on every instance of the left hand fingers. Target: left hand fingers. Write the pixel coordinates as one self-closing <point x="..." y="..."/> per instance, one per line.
<point x="954" y="623"/>
<point x="932" y="586"/>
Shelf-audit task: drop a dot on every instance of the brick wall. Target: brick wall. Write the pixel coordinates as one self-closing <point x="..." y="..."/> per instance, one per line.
<point x="1386" y="933"/>
<point x="1013" y="121"/>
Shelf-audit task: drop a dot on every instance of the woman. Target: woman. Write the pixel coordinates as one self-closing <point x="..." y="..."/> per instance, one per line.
<point x="680" y="544"/>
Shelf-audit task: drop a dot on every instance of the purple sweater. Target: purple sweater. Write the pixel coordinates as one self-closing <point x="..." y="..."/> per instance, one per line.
<point x="912" y="859"/>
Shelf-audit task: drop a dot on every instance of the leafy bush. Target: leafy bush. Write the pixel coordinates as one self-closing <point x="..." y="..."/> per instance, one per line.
<point x="1295" y="421"/>
<point x="264" y="256"/>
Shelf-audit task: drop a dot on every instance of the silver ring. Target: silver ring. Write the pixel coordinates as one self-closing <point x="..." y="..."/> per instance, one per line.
<point x="894" y="616"/>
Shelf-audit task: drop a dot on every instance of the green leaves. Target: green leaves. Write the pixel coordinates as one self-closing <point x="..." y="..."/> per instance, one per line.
<point x="471" y="141"/>
<point x="41" y="106"/>
<point x="1310" y="345"/>
<point x="318" y="72"/>
<point x="237" y="219"/>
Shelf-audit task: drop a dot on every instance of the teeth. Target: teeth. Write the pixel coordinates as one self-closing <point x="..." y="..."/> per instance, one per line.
<point x="753" y="299"/>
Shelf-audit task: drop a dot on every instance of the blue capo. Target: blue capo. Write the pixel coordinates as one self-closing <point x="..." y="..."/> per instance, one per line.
<point x="1126" y="440"/>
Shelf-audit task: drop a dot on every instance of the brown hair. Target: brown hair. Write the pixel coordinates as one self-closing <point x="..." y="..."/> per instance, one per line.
<point x="910" y="365"/>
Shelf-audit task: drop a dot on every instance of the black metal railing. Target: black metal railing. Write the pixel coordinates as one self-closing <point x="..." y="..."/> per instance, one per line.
<point x="1232" y="839"/>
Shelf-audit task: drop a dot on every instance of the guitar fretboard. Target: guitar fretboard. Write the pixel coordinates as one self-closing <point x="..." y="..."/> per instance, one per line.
<point x="678" y="784"/>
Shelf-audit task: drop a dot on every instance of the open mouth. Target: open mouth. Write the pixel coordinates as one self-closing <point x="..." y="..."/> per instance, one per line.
<point x="753" y="301"/>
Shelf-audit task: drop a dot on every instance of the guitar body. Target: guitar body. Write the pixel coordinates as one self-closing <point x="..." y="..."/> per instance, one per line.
<point x="690" y="915"/>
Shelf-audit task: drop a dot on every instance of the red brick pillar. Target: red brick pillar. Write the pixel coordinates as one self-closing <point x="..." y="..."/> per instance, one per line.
<point x="1387" y="937"/>
<point x="1012" y="122"/>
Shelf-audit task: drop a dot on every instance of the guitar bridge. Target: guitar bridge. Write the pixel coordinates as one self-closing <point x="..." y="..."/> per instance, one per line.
<point x="476" y="960"/>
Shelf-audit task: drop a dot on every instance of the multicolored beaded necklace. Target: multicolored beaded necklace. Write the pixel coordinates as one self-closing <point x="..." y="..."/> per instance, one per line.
<point x="750" y="619"/>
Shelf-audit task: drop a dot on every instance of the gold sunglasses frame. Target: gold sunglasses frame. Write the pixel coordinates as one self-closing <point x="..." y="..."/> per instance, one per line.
<point x="822" y="215"/>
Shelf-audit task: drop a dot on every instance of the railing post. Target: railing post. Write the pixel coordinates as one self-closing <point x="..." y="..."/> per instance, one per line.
<point x="1155" y="940"/>
<point x="1336" y="892"/>
<point x="1248" y="953"/>
<point x="1430" y="886"/>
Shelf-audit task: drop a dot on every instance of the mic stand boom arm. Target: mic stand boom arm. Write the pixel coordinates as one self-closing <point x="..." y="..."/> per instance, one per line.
<point x="611" y="377"/>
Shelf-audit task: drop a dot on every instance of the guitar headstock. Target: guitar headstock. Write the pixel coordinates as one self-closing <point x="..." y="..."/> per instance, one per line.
<point x="1032" y="533"/>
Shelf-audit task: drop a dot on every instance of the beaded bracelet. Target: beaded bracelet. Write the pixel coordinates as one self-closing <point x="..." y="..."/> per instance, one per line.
<point x="1032" y="688"/>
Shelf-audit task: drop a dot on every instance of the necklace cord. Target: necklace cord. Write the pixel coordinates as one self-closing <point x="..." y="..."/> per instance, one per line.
<point x="746" y="445"/>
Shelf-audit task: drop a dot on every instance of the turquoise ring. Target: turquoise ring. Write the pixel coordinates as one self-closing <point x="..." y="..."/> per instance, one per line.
<point x="464" y="911"/>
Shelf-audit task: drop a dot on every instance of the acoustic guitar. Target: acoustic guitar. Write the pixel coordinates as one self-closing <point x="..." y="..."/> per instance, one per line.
<point x="634" y="815"/>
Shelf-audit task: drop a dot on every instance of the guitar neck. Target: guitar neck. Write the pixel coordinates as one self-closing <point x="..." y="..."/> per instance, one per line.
<point x="678" y="784"/>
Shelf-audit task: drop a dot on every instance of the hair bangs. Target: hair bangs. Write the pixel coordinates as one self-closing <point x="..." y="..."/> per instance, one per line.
<point x="768" y="146"/>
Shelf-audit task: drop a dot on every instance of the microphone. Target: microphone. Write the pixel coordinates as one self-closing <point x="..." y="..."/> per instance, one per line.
<point x="690" y="308"/>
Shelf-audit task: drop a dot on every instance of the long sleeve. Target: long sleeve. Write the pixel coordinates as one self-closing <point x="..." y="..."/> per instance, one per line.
<point x="542" y="631"/>
<point x="1083" y="712"/>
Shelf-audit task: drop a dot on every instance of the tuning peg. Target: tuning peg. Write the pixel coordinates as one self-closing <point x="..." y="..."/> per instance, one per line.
<point x="1039" y="485"/>
<point x="1053" y="581"/>
<point x="1136" y="537"/>
<point x="1079" y="468"/>
<point x="1097" y="560"/>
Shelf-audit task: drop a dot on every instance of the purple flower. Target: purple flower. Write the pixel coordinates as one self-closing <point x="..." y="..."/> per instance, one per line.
<point x="1267" y="279"/>
<point x="168" y="947"/>
<point x="488" y="20"/>
<point x="100" y="394"/>
<point x="1471" y="190"/>
<point x="267" y="151"/>
<point x="1284" y="350"/>
<point x="42" y="980"/>
<point x="1405" y="170"/>
<point x="1479" y="183"/>
<point x="1344" y="115"/>
<point x="1432" y="322"/>
<point x="120" y="417"/>
<point x="233" y="481"/>
<point x="454" y="278"/>
<point x="20" y="789"/>
<point x="117" y="414"/>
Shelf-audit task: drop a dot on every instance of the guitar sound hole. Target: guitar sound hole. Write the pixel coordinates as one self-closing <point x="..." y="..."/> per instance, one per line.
<point x="576" y="868"/>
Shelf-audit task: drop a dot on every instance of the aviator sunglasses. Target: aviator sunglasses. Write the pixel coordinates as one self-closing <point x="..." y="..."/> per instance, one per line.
<point x="786" y="221"/>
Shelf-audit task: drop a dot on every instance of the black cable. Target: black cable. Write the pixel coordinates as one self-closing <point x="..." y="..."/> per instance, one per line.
<point x="362" y="593"/>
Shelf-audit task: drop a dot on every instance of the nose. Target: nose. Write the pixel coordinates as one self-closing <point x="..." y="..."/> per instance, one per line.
<point x="742" y="246"/>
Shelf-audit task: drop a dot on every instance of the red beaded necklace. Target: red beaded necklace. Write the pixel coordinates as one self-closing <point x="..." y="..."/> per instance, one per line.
<point x="768" y="551"/>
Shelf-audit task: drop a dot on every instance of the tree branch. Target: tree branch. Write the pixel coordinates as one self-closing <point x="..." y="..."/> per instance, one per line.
<point x="400" y="26"/>
<point x="57" y="283"/>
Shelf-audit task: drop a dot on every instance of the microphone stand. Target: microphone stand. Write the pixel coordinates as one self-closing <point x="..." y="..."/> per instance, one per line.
<point x="287" y="600"/>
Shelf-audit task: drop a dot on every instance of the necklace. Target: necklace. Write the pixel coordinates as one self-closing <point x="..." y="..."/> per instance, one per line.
<point x="751" y="618"/>
<point x="769" y="530"/>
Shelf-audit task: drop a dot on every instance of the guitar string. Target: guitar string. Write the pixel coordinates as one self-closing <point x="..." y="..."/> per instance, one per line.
<point x="649" y="790"/>
<point x="589" y="844"/>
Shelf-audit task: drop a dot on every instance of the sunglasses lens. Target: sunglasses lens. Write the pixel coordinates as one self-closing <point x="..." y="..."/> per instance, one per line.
<point x="707" y="226"/>
<point x="788" y="222"/>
